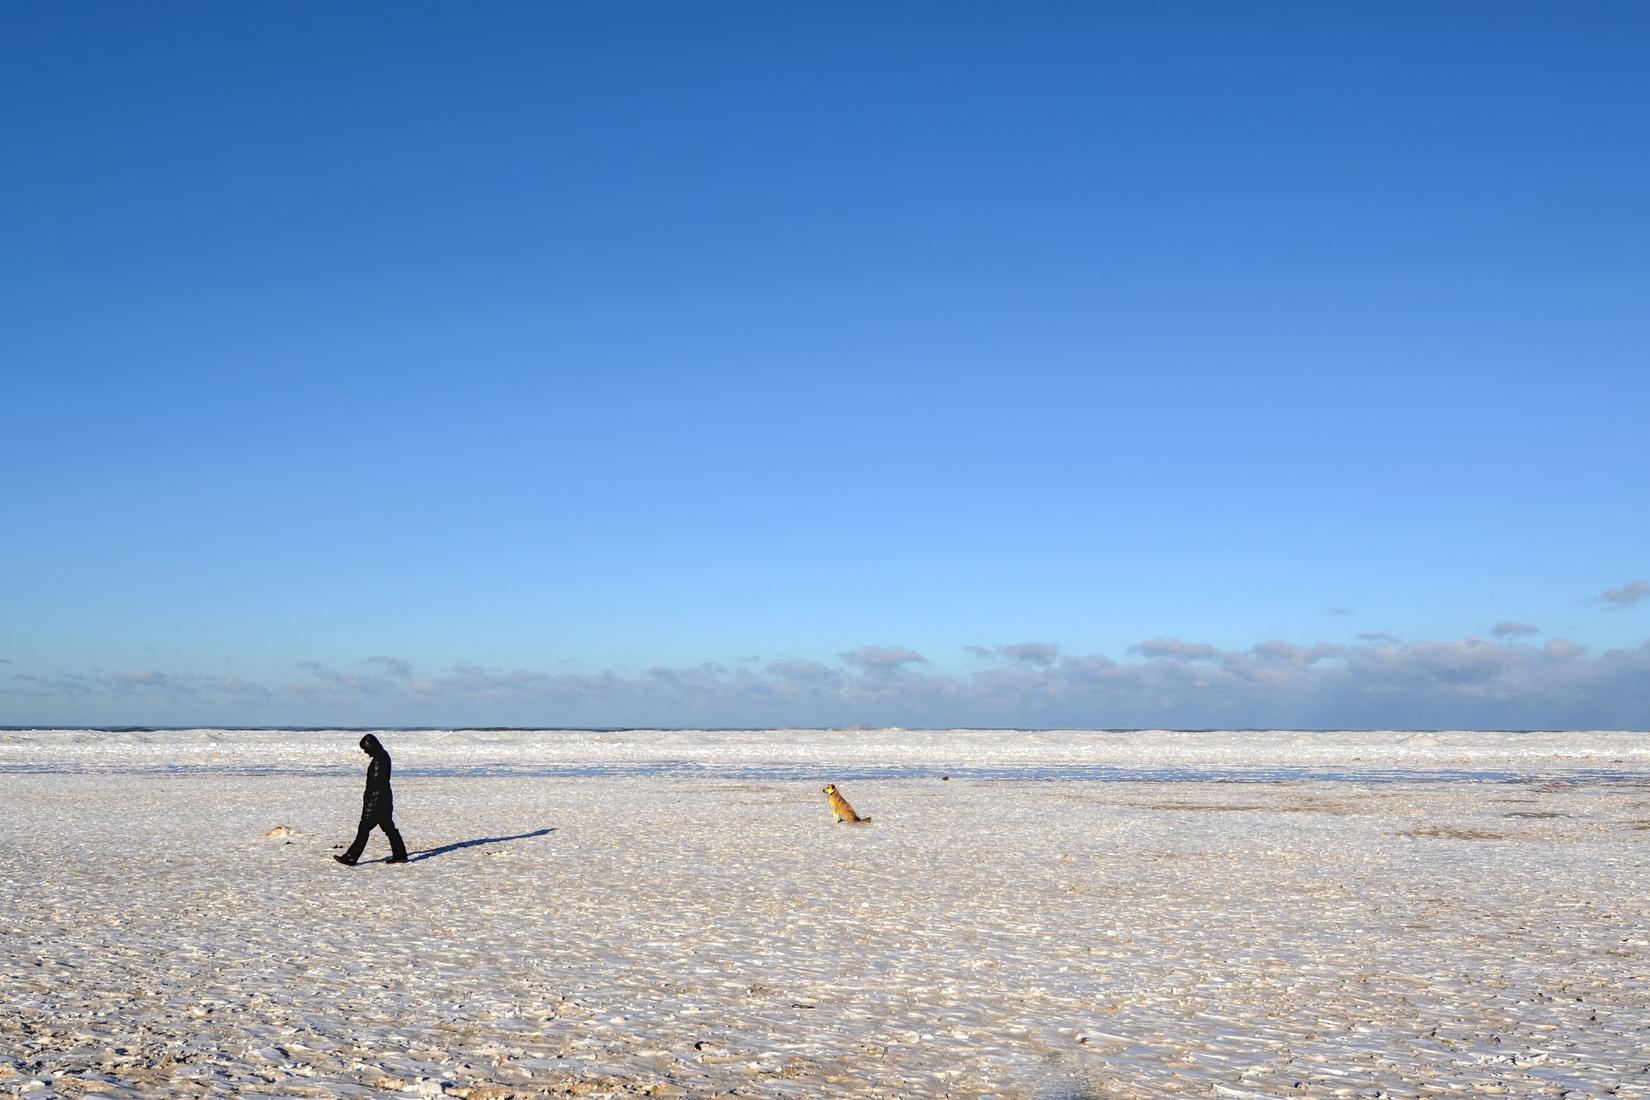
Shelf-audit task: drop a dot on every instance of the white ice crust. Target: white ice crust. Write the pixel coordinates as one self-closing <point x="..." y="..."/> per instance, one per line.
<point x="892" y="750"/>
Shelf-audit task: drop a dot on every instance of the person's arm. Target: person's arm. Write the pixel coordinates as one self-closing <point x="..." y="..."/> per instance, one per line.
<point x="375" y="786"/>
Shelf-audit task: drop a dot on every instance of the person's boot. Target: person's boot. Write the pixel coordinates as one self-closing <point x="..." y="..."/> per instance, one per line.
<point x="398" y="847"/>
<point x="345" y="860"/>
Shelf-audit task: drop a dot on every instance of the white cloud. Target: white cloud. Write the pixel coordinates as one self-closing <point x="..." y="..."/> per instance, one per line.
<point x="136" y="688"/>
<point x="1627" y="595"/>
<point x="392" y="666"/>
<point x="1296" y="654"/>
<point x="1562" y="649"/>
<point x="1175" y="649"/>
<point x="1030" y="653"/>
<point x="1513" y="630"/>
<point x="801" y="671"/>
<point x="878" y="658"/>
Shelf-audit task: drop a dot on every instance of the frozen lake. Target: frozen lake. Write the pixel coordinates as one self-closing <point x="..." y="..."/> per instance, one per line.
<point x="638" y="913"/>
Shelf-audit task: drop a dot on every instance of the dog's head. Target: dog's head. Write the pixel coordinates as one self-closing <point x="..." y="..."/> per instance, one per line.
<point x="829" y="788"/>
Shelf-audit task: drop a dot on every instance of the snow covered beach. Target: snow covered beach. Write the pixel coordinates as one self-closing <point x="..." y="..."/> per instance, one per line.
<point x="645" y="913"/>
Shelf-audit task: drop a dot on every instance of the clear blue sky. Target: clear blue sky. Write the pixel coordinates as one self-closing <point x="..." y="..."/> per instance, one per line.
<point x="567" y="341"/>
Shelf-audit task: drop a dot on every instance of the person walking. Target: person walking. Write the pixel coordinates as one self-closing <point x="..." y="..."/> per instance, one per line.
<point x="377" y="807"/>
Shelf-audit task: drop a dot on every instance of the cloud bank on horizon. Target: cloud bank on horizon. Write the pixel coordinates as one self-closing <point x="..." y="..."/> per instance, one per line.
<point x="1469" y="682"/>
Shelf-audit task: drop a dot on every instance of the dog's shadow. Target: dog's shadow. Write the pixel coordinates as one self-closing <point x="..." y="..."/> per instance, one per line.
<point x="431" y="853"/>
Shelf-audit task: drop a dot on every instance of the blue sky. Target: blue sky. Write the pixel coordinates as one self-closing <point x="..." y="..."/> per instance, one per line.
<point x="658" y="363"/>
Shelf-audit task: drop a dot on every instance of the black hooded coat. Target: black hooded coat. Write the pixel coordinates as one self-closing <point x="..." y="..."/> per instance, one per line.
<point x="378" y="801"/>
<point x="377" y="806"/>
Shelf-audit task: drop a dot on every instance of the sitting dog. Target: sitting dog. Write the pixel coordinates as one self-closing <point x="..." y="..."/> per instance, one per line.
<point x="840" y="807"/>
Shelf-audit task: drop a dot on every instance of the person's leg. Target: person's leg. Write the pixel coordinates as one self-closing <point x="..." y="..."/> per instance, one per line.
<point x="398" y="850"/>
<point x="360" y="844"/>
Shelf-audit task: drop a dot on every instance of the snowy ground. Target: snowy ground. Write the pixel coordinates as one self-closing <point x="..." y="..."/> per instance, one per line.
<point x="644" y="914"/>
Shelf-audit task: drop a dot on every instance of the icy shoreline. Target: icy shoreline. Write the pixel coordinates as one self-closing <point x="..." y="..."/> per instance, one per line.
<point x="890" y="753"/>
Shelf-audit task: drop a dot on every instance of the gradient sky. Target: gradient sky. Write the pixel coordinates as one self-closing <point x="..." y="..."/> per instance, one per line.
<point x="740" y="363"/>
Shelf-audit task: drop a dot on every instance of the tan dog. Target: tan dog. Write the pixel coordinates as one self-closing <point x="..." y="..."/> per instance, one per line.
<point x="840" y="807"/>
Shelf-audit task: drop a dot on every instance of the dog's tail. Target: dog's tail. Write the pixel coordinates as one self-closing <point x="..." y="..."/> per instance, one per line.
<point x="862" y="821"/>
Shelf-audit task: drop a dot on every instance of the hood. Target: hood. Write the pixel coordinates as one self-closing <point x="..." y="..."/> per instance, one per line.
<point x="370" y="745"/>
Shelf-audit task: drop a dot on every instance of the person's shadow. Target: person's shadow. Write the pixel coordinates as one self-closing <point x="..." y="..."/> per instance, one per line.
<point x="431" y="853"/>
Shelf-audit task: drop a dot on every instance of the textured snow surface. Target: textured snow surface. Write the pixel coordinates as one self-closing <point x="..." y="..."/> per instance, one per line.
<point x="665" y="934"/>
